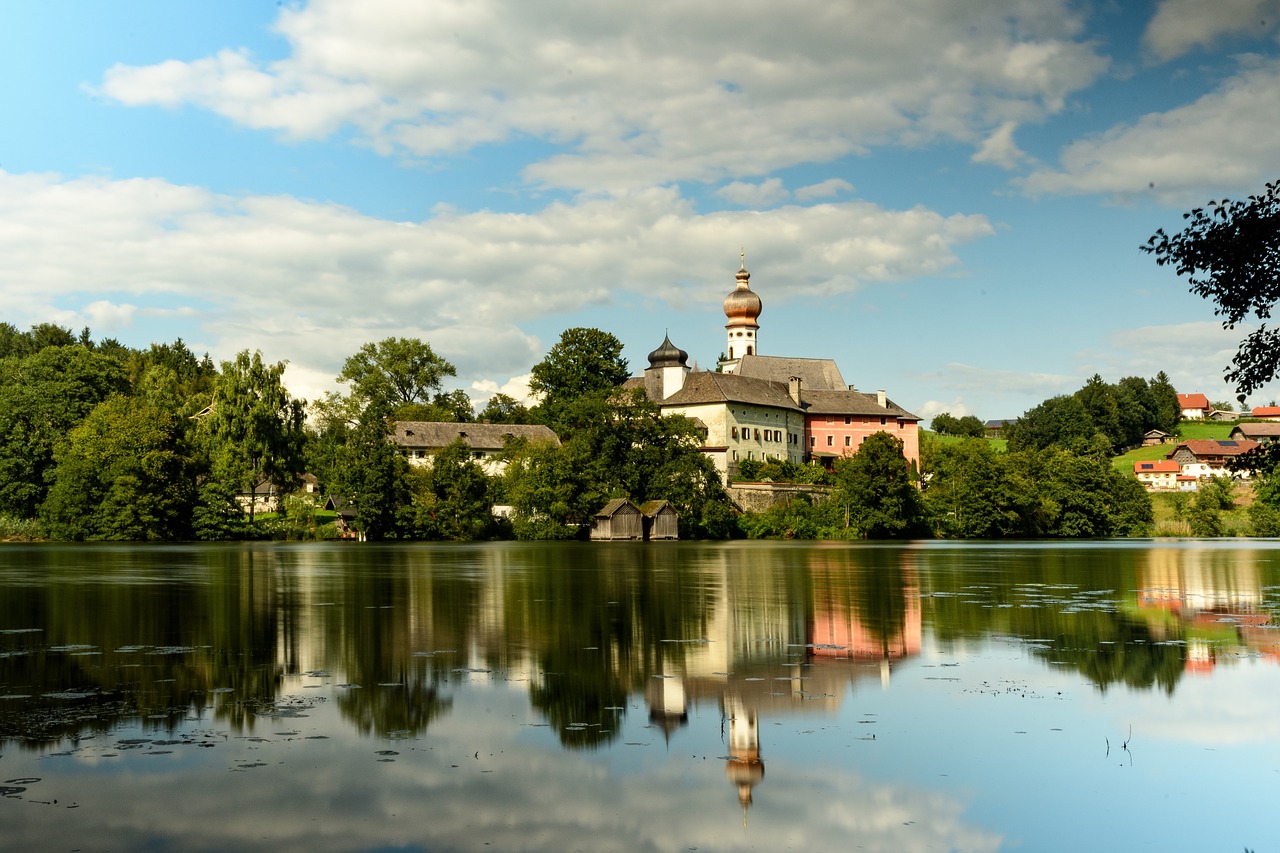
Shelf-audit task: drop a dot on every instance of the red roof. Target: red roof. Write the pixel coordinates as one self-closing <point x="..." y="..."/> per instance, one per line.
<point x="1156" y="466"/>
<point x="1266" y="411"/>
<point x="1193" y="401"/>
<point x="1213" y="447"/>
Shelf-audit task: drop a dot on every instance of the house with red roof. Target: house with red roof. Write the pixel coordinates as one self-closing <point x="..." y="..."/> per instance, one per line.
<point x="1208" y="457"/>
<point x="1157" y="474"/>
<point x="1266" y="413"/>
<point x="1195" y="407"/>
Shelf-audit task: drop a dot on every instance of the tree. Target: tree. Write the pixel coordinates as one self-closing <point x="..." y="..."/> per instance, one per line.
<point x="450" y="499"/>
<point x="584" y="362"/>
<point x="1229" y="251"/>
<point x="376" y="475"/>
<point x="42" y="398"/>
<point x="124" y="473"/>
<point x="504" y="409"/>
<point x="256" y="427"/>
<point x="396" y="371"/>
<point x="1059" y="421"/>
<point x="874" y="487"/>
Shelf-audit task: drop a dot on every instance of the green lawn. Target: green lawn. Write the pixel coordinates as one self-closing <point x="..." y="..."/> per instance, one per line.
<point x="1190" y="430"/>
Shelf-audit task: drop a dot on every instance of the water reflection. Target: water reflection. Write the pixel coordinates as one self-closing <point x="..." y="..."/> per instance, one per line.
<point x="610" y="650"/>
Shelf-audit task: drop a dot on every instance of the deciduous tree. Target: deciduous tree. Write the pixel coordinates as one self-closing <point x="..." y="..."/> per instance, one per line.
<point x="1229" y="251"/>
<point x="256" y="426"/>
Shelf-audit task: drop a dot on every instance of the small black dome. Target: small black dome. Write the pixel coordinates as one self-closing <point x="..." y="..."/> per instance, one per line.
<point x="668" y="355"/>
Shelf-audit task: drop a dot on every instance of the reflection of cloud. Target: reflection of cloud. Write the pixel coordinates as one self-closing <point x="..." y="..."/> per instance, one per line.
<point x="520" y="793"/>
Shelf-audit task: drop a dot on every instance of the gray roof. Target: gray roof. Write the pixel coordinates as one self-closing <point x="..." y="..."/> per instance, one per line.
<point x="706" y="387"/>
<point x="433" y="435"/>
<point x="818" y="374"/>
<point x="852" y="403"/>
<point x="1271" y="430"/>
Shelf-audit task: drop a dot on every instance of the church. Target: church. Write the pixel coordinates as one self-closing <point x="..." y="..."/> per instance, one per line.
<point x="757" y="406"/>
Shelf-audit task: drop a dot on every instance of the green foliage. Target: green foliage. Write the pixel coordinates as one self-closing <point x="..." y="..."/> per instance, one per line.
<point x="451" y="498"/>
<point x="975" y="493"/>
<point x="781" y="471"/>
<point x="42" y="397"/>
<point x="1100" y="418"/>
<point x="376" y="475"/>
<point x="945" y="423"/>
<point x="216" y="515"/>
<point x="797" y="518"/>
<point x="123" y="474"/>
<point x="875" y="492"/>
<point x="395" y="372"/>
<point x="584" y="363"/>
<point x="503" y="409"/>
<point x="1230" y="254"/>
<point x="617" y="447"/>
<point x="255" y="432"/>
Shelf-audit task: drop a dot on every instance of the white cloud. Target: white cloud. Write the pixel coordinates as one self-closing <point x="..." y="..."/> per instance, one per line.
<point x="642" y="94"/>
<point x="1223" y="142"/>
<point x="825" y="189"/>
<point x="999" y="149"/>
<point x="311" y="282"/>
<point x="745" y="194"/>
<point x="1180" y="25"/>
<point x="966" y="377"/>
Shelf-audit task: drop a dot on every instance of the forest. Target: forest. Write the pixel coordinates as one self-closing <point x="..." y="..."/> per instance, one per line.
<point x="100" y="441"/>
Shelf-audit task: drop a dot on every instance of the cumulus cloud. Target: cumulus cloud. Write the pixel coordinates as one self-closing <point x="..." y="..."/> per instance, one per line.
<point x="311" y="282"/>
<point x="1224" y="141"/>
<point x="999" y="149"/>
<point x="642" y="94"/>
<point x="1180" y="25"/>
<point x="764" y="194"/>
<point x="825" y="189"/>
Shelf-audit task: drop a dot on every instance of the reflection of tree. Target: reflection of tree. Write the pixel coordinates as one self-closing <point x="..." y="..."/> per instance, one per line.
<point x="598" y="626"/>
<point x="1059" y="598"/>
<point x="117" y="648"/>
<point x="385" y="708"/>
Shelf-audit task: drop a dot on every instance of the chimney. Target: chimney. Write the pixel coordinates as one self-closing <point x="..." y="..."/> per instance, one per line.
<point x="881" y="399"/>
<point x="793" y="388"/>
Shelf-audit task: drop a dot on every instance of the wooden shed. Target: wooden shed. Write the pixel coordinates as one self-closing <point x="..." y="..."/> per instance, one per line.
<point x="619" y="519"/>
<point x="661" y="521"/>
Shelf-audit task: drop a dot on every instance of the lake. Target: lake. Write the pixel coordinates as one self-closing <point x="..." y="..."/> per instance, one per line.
<point x="640" y="697"/>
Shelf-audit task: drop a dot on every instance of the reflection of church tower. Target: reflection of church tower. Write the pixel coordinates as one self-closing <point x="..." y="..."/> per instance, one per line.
<point x="668" y="706"/>
<point x="744" y="767"/>
<point x="742" y="308"/>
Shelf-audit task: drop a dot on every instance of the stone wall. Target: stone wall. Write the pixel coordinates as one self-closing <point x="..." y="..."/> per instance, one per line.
<point x="758" y="497"/>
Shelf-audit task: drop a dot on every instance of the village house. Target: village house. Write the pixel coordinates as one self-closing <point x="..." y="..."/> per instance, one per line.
<point x="1264" y="433"/>
<point x="770" y="407"/>
<point x="1195" y="407"/>
<point x="420" y="441"/>
<point x="1266" y="413"/>
<point x="1207" y="457"/>
<point x="1158" y="474"/>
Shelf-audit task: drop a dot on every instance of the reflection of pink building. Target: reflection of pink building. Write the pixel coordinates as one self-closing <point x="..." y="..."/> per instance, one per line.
<point x="839" y="632"/>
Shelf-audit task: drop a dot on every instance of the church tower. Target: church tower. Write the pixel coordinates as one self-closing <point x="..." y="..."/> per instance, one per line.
<point x="742" y="308"/>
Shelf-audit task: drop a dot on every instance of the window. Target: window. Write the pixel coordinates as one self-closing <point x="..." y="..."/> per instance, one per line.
<point x="848" y="419"/>
<point x="883" y="421"/>
<point x="813" y="441"/>
<point x="757" y="435"/>
<point x="848" y="441"/>
<point x="831" y="440"/>
<point x="735" y="433"/>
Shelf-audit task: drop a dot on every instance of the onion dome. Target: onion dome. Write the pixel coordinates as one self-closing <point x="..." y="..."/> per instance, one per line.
<point x="668" y="355"/>
<point x="742" y="306"/>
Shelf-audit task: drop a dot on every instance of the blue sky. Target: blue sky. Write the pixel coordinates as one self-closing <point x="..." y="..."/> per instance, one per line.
<point x="945" y="196"/>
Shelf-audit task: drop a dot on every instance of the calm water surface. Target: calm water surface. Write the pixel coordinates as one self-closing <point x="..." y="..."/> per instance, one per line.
<point x="664" y="697"/>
